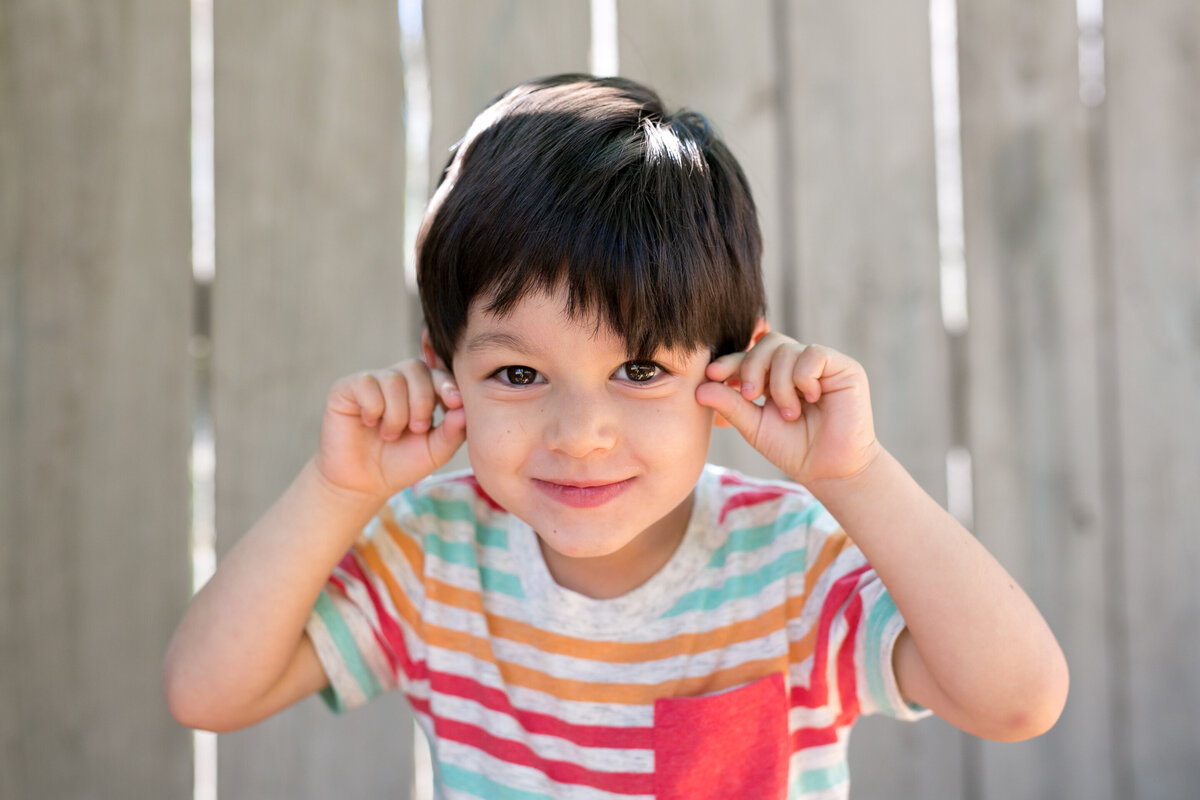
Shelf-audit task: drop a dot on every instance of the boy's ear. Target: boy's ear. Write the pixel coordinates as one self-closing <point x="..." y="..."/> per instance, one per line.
<point x="432" y="359"/>
<point x="761" y="329"/>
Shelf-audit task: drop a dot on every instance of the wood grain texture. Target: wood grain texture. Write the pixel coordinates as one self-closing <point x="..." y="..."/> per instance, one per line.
<point x="1152" y="120"/>
<point x="95" y="285"/>
<point x="1033" y="414"/>
<point x="477" y="50"/>
<point x="699" y="56"/>
<point x="860" y="128"/>
<point x="309" y="286"/>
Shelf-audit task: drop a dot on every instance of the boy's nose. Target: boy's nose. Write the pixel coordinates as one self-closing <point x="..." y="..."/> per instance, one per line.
<point x="581" y="426"/>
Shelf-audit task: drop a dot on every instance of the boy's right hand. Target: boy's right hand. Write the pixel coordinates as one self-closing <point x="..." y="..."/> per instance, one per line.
<point x="377" y="435"/>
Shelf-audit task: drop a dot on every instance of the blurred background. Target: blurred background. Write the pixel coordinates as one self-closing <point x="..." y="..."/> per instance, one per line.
<point x="207" y="213"/>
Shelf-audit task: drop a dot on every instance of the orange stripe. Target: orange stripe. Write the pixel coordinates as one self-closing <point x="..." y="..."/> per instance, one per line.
<point x="408" y="544"/>
<point x="404" y="606"/>
<point x="640" y="693"/>
<point x="611" y="652"/>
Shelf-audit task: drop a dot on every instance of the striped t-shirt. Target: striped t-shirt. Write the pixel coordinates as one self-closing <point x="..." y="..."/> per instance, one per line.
<point x="735" y="671"/>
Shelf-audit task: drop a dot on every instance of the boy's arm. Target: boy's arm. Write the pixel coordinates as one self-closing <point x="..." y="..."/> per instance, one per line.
<point x="976" y="650"/>
<point x="240" y="654"/>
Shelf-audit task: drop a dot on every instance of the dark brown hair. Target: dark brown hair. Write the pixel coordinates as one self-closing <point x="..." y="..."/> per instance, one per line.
<point x="644" y="215"/>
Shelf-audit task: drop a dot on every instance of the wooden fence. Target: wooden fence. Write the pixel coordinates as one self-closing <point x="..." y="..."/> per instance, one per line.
<point x="1074" y="387"/>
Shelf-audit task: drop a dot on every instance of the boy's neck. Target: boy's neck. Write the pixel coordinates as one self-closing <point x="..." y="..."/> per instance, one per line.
<point x="617" y="574"/>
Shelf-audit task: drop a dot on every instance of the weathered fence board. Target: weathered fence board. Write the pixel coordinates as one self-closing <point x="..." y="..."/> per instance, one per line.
<point x="95" y="287"/>
<point x="695" y="55"/>
<point x="1082" y="360"/>
<point x="860" y="127"/>
<point x="477" y="50"/>
<point x="309" y="286"/>
<point x="1033" y="418"/>
<point x="1153" y="379"/>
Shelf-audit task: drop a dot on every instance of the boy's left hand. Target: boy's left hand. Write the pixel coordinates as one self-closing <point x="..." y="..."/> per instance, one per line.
<point x="816" y="422"/>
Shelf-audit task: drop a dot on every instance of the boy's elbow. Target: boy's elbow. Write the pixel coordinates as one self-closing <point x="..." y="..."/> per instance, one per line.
<point x="1041" y="707"/>
<point x="185" y="704"/>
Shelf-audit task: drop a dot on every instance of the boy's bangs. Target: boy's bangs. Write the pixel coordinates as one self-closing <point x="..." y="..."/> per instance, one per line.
<point x="645" y="218"/>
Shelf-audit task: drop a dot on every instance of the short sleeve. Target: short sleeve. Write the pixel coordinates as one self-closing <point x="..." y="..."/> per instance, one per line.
<point x="365" y="624"/>
<point x="856" y="628"/>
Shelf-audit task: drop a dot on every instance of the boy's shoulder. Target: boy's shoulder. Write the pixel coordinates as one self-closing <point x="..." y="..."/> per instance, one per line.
<point x="452" y="504"/>
<point x="739" y="499"/>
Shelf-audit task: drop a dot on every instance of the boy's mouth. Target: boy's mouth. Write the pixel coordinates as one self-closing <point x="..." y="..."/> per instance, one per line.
<point x="583" y="494"/>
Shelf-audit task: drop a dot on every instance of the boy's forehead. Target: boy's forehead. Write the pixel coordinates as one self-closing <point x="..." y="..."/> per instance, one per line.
<point x="530" y="321"/>
<point x="541" y="321"/>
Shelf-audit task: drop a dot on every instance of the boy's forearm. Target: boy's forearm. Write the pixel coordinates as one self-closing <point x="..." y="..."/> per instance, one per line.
<point x="979" y="635"/>
<point x="242" y="628"/>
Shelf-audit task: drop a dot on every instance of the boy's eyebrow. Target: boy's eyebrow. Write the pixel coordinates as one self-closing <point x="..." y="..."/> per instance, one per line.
<point x="499" y="340"/>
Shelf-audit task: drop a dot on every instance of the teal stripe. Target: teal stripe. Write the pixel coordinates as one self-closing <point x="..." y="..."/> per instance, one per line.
<point x="881" y="613"/>
<point x="465" y="780"/>
<point x="344" y="640"/>
<point x="450" y="552"/>
<point x="462" y="511"/>
<point x="492" y="537"/>
<point x="494" y="580"/>
<point x="818" y="780"/>
<point x="742" y="540"/>
<point x="740" y="586"/>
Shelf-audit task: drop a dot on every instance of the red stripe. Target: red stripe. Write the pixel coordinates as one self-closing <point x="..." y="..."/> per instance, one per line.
<point x="816" y="694"/>
<point x="470" y="480"/>
<point x="813" y="737"/>
<point x="630" y="738"/>
<point x="522" y="755"/>
<point x="392" y="642"/>
<point x="847" y="679"/>
<point x="751" y="498"/>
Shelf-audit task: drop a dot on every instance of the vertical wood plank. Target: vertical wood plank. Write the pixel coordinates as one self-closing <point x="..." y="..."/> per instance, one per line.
<point x="309" y="286"/>
<point x="1153" y="122"/>
<point x="1033" y="413"/>
<point x="477" y="50"/>
<point x="95" y="287"/>
<point x="721" y="63"/>
<point x="865" y="226"/>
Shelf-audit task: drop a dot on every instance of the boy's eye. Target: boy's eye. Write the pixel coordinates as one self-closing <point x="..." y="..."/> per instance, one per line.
<point x="641" y="371"/>
<point x="517" y="376"/>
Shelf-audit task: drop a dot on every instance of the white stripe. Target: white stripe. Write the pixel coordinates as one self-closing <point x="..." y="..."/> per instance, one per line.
<point x="553" y="748"/>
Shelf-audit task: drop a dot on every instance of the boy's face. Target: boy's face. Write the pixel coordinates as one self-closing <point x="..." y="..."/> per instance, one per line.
<point x="590" y="449"/>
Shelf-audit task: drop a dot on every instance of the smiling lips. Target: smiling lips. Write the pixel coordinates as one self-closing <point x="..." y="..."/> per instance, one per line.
<point x="583" y="494"/>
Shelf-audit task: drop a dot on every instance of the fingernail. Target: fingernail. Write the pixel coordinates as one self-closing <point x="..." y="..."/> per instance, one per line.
<point x="747" y="389"/>
<point x="788" y="413"/>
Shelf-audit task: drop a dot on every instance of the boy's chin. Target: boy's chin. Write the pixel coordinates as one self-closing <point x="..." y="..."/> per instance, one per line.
<point x="580" y="544"/>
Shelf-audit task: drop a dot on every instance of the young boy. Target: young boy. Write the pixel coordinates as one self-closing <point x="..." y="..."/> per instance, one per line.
<point x="592" y="611"/>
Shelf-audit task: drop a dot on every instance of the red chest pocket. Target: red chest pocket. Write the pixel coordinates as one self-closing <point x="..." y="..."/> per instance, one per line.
<point x="727" y="745"/>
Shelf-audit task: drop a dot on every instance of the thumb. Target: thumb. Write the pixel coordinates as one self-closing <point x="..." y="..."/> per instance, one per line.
<point x="742" y="414"/>
<point x="445" y="439"/>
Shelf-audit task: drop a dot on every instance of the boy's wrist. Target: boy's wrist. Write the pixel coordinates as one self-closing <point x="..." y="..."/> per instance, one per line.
<point x="867" y="480"/>
<point x="338" y="498"/>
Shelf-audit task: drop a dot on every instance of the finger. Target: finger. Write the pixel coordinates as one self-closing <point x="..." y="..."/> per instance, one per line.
<point x="368" y="396"/>
<point x="445" y="439"/>
<point x="721" y="369"/>
<point x="421" y="398"/>
<point x="816" y="365"/>
<point x="782" y="382"/>
<point x="446" y="388"/>
<point x="753" y="369"/>
<point x="741" y="413"/>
